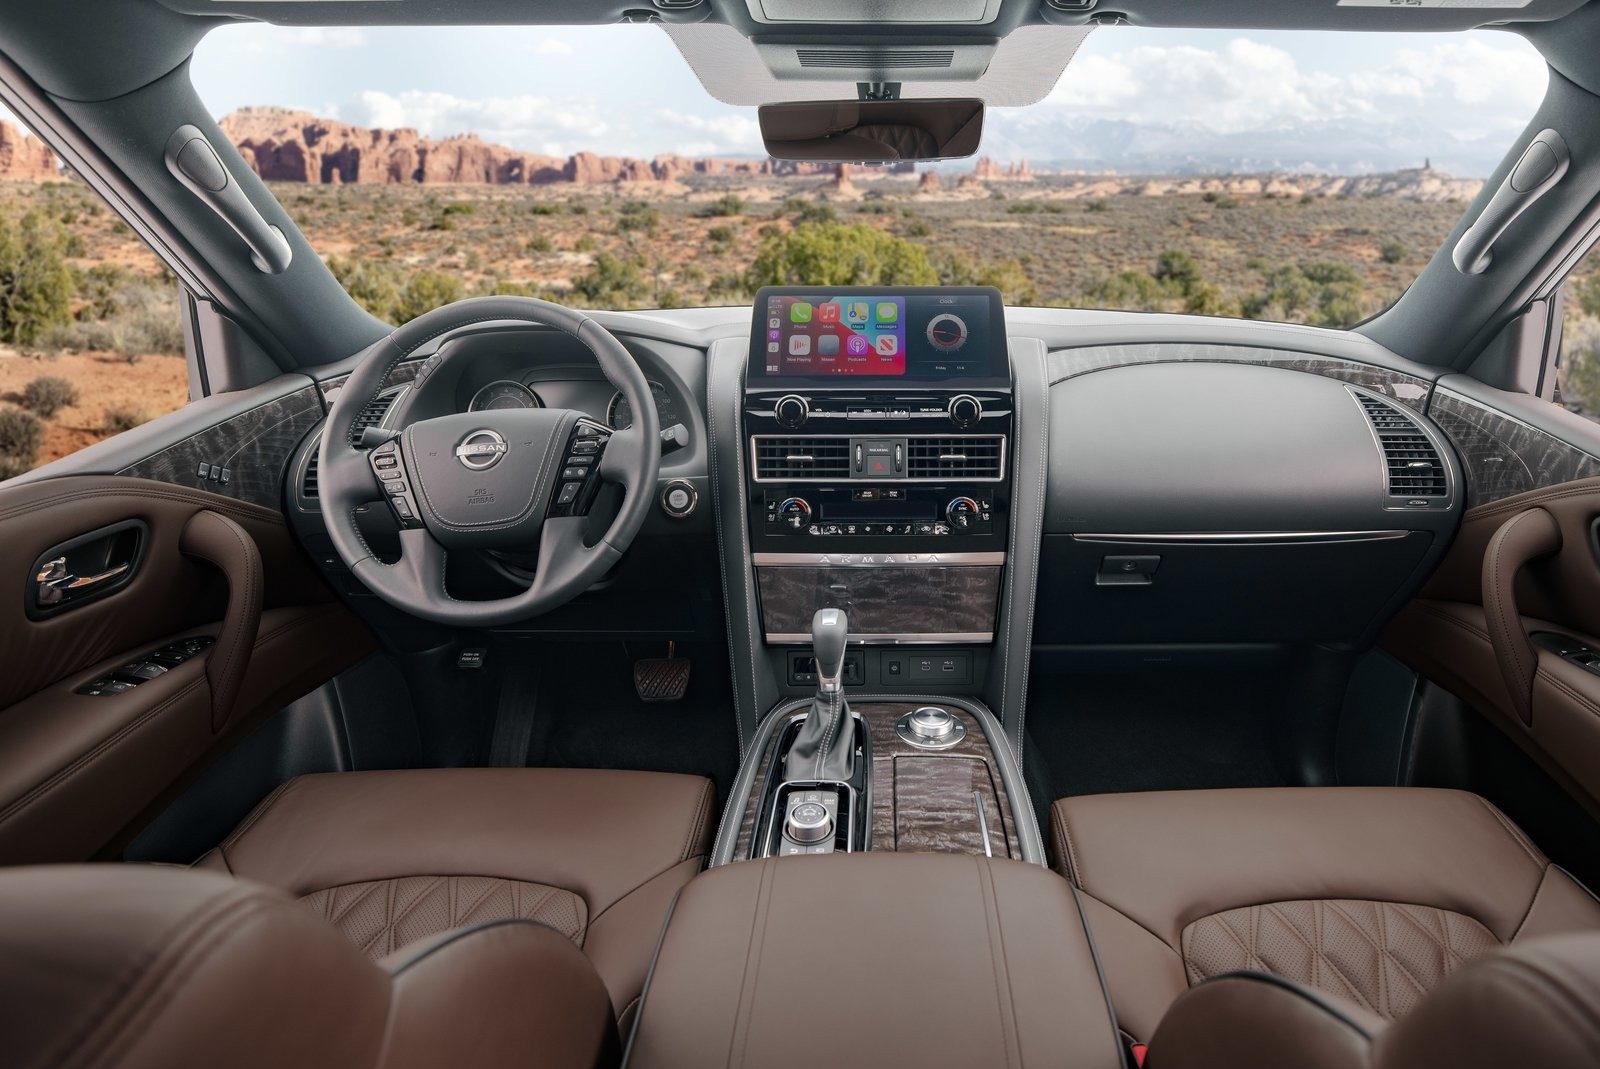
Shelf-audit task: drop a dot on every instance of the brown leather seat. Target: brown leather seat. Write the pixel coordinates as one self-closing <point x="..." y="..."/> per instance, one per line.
<point x="1371" y="894"/>
<point x="143" y="966"/>
<point x="393" y="857"/>
<point x="1537" y="1003"/>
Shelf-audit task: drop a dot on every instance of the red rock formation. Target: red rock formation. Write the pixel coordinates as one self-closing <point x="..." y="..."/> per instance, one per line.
<point x="986" y="170"/>
<point x="929" y="182"/>
<point x="24" y="158"/>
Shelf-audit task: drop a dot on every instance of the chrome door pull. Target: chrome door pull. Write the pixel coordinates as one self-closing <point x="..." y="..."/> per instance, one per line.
<point x="56" y="584"/>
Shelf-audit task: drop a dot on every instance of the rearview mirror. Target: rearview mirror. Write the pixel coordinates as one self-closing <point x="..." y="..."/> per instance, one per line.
<point x="872" y="131"/>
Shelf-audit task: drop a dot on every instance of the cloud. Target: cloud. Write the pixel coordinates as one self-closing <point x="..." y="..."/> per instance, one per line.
<point x="1469" y="87"/>
<point x="560" y="126"/>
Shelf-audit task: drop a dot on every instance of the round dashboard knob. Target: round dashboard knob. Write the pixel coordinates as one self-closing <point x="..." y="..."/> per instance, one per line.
<point x="791" y="411"/>
<point x="965" y="410"/>
<point x="931" y="723"/>
<point x="809" y="822"/>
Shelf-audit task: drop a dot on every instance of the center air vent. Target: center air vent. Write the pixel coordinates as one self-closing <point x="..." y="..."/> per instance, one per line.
<point x="1413" y="464"/>
<point x="876" y="58"/>
<point x="956" y="457"/>
<point x="802" y="458"/>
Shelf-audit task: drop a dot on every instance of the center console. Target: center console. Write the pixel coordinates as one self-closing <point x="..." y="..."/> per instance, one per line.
<point x="878" y="424"/>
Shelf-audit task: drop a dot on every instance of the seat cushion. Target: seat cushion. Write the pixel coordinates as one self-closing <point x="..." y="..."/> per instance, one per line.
<point x="394" y="857"/>
<point x="1370" y="894"/>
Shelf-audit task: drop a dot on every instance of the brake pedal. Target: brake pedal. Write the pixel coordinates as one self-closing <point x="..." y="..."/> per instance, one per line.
<point x="661" y="679"/>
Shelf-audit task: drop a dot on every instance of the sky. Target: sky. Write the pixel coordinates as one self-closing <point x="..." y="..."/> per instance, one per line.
<point x="625" y="90"/>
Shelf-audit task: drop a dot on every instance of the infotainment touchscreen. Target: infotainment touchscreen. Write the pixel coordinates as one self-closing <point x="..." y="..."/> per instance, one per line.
<point x="863" y="332"/>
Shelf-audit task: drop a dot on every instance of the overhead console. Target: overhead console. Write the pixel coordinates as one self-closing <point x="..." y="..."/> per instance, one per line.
<point x="878" y="426"/>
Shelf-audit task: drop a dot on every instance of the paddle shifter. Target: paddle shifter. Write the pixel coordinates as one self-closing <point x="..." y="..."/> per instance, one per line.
<point x="825" y="748"/>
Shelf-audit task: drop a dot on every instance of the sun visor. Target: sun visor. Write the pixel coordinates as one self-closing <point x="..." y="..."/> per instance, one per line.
<point x="1021" y="69"/>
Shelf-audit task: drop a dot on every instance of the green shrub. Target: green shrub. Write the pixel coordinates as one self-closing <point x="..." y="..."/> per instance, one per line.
<point x="612" y="282"/>
<point x="838" y="254"/>
<point x="48" y="394"/>
<point x="425" y="291"/>
<point x="728" y="204"/>
<point x="36" y="285"/>
<point x="1394" y="252"/>
<point x="21" y="434"/>
<point x="124" y="418"/>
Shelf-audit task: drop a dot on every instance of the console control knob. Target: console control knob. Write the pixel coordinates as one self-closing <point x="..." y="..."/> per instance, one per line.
<point x="791" y="411"/>
<point x="931" y="723"/>
<point x="809" y="822"/>
<point x="796" y="512"/>
<point x="965" y="410"/>
<point x="962" y="514"/>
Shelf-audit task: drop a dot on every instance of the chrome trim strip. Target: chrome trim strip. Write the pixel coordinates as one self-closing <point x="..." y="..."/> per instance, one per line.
<point x="898" y="639"/>
<point x="983" y="824"/>
<point x="847" y="478"/>
<point x="1253" y="538"/>
<point x="876" y="560"/>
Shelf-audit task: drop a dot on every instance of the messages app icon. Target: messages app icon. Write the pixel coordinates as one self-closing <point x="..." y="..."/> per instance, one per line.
<point x="888" y="312"/>
<point x="800" y="312"/>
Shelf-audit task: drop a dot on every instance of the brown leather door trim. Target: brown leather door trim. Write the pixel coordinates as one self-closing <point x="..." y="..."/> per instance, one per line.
<point x="1524" y="538"/>
<point x="219" y="541"/>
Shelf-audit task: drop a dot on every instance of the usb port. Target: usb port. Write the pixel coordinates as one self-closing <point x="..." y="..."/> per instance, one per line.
<point x="948" y="666"/>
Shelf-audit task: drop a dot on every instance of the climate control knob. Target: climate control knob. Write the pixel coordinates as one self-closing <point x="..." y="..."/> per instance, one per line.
<point x="791" y="411"/>
<point x="962" y="513"/>
<point x="965" y="410"/>
<point x="795" y="512"/>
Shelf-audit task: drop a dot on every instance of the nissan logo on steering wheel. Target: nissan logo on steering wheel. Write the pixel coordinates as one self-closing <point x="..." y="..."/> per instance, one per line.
<point x="481" y="449"/>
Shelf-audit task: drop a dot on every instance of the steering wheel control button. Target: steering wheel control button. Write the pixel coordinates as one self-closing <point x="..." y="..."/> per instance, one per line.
<point x="395" y="489"/>
<point x="586" y="444"/>
<point x="809" y="823"/>
<point x="679" y="499"/>
<point x="573" y="473"/>
<point x="385" y="460"/>
<point x="931" y="728"/>
<point x="569" y="493"/>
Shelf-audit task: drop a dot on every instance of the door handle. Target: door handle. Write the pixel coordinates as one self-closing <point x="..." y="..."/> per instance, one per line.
<point x="1523" y="539"/>
<point x="85" y="568"/>
<point x="57" y="585"/>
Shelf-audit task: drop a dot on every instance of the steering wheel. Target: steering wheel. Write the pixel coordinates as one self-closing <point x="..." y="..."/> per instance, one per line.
<point x="496" y="479"/>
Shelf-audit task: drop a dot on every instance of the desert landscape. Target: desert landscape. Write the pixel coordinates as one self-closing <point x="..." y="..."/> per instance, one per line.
<point x="89" y="333"/>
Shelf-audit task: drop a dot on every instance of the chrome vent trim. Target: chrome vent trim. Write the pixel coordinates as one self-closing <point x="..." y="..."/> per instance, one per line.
<point x="799" y="458"/>
<point x="960" y="458"/>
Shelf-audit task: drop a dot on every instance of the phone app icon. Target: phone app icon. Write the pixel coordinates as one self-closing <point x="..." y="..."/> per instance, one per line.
<point x="856" y="345"/>
<point x="800" y="344"/>
<point x="800" y="312"/>
<point x="888" y="344"/>
<point x="888" y="312"/>
<point x="828" y="313"/>
<point x="828" y="344"/>
<point x="855" y="313"/>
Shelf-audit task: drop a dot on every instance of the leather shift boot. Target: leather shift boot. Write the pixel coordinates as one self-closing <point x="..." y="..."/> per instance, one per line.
<point x="826" y="746"/>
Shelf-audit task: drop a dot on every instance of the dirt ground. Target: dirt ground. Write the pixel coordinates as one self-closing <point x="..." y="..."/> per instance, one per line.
<point x="152" y="387"/>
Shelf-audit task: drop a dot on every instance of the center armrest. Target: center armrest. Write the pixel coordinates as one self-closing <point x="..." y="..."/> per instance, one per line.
<point x="875" y="959"/>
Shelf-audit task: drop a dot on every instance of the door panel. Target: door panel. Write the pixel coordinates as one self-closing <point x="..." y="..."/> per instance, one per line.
<point x="77" y="769"/>
<point x="1520" y="566"/>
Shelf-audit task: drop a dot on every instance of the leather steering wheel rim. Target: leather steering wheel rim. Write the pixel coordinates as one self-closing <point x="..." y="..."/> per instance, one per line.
<point x="567" y="566"/>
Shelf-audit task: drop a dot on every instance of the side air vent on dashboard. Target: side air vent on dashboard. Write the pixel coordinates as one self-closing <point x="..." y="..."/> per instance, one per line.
<point x="1414" y="466"/>
<point x="373" y="414"/>
<point x="308" y="480"/>
<point x="802" y="458"/>
<point x="978" y="456"/>
<point x="856" y="58"/>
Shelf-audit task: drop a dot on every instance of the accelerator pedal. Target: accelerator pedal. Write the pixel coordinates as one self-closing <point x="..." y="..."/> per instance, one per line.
<point x="662" y="679"/>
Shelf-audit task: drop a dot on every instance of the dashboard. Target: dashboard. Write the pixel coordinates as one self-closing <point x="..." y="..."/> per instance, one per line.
<point x="530" y="390"/>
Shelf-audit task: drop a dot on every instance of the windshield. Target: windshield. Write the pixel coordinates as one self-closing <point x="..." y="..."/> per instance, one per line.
<point x="1304" y="177"/>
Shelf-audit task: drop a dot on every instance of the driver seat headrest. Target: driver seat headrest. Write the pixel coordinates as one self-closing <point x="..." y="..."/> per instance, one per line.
<point x="153" y="966"/>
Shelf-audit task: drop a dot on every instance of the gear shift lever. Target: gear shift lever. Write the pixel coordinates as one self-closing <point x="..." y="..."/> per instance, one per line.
<point x="825" y="748"/>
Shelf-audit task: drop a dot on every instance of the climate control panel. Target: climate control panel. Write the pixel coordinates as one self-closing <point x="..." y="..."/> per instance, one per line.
<point x="877" y="512"/>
